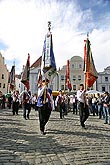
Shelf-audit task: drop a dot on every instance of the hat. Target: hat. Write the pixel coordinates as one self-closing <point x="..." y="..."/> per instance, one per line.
<point x="45" y="80"/>
<point x="106" y="92"/>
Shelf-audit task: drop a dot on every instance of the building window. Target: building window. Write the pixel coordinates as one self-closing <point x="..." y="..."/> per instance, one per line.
<point x="0" y="85"/>
<point x="103" y="89"/>
<point x="80" y="66"/>
<point x="2" y="76"/>
<point x="106" y="79"/>
<point x="74" y="87"/>
<point x="72" y="65"/>
<point x="62" y="87"/>
<point x="51" y="87"/>
<point x="66" y="88"/>
<point x="3" y="85"/>
<point x="37" y="77"/>
<point x="62" y="77"/>
<point x="74" y="78"/>
<point x="79" y="77"/>
<point x="109" y="88"/>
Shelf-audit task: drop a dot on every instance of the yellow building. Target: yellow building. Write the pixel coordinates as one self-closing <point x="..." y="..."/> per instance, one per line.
<point x="4" y="73"/>
<point x="76" y="75"/>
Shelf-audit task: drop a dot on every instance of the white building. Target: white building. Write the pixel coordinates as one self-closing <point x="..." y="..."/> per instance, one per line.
<point x="103" y="81"/>
<point x="76" y="74"/>
<point x="4" y="76"/>
<point x="34" y="70"/>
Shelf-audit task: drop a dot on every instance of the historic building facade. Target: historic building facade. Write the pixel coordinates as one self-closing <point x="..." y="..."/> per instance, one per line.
<point x="34" y="70"/>
<point x="103" y="81"/>
<point x="4" y="74"/>
<point x="76" y="75"/>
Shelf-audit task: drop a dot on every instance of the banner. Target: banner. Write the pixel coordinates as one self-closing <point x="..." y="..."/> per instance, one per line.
<point x="89" y="67"/>
<point x="26" y="73"/>
<point x="11" y="80"/>
<point x="68" y="83"/>
<point x="48" y="65"/>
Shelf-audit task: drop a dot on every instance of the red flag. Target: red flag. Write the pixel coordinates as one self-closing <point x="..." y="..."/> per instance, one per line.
<point x="89" y="67"/>
<point x="11" y="80"/>
<point x="26" y="73"/>
<point x="68" y="83"/>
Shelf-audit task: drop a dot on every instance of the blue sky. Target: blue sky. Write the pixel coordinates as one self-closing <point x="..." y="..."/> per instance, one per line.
<point x="23" y="25"/>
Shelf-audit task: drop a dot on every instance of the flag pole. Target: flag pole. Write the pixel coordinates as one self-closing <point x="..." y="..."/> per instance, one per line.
<point x="49" y="28"/>
<point x="85" y="56"/>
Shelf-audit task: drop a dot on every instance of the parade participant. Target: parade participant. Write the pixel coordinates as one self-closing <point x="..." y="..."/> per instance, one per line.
<point x="44" y="104"/>
<point x="83" y="107"/>
<point x="60" y="103"/>
<point x="10" y="99"/>
<point x="106" y="102"/>
<point x="15" y="102"/>
<point x="34" y="101"/>
<point x="25" y="97"/>
<point x="3" y="101"/>
<point x="74" y="104"/>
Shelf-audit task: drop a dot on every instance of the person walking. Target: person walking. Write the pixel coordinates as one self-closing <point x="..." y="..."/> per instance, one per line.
<point x="10" y="99"/>
<point x="100" y="105"/>
<point x="74" y="104"/>
<point x="106" y="102"/>
<point x="60" y="103"/>
<point x="44" y="104"/>
<point x="25" y="97"/>
<point x="83" y="107"/>
<point x="15" y="103"/>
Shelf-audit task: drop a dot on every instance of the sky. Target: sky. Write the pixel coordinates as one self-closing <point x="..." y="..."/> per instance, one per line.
<point x="24" y="24"/>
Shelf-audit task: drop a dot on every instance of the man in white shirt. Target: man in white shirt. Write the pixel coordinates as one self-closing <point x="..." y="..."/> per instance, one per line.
<point x="83" y="107"/>
<point x="44" y="104"/>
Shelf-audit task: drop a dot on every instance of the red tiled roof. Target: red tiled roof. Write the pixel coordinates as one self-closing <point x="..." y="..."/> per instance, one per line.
<point x="37" y="63"/>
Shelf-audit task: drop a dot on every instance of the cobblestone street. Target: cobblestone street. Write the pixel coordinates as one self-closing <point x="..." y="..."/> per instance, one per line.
<point x="65" y="143"/>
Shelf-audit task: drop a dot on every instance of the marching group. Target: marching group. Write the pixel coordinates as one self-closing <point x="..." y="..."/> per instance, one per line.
<point x="79" y="103"/>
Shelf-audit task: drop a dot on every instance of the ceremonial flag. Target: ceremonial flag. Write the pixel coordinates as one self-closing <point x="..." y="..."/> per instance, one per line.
<point x="39" y="77"/>
<point x="68" y="83"/>
<point x="89" y="67"/>
<point x="48" y="65"/>
<point x="26" y="73"/>
<point x="11" y="80"/>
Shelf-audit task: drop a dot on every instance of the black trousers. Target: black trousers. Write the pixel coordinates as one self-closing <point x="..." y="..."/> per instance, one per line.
<point x="83" y="112"/>
<point x="26" y="107"/>
<point x="15" y="107"/>
<point x="44" y="114"/>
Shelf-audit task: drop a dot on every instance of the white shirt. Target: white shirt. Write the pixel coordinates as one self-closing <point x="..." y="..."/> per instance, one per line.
<point x="80" y="96"/>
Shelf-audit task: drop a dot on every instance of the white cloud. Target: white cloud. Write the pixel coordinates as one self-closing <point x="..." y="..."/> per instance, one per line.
<point x="24" y="25"/>
<point x="100" y="41"/>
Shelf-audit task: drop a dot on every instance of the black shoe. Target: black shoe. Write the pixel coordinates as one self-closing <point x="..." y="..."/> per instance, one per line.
<point x="43" y="133"/>
<point x="28" y="116"/>
<point x="105" y="123"/>
<point x="83" y="125"/>
<point x="25" y="118"/>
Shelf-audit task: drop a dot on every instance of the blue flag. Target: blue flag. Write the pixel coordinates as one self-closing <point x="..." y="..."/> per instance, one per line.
<point x="48" y="66"/>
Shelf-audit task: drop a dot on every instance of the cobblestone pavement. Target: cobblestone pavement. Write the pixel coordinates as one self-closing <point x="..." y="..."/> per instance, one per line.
<point x="65" y="143"/>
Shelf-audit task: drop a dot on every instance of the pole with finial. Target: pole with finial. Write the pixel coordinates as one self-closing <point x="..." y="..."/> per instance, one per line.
<point x="85" y="57"/>
<point x="45" y="91"/>
<point x="87" y="35"/>
<point x="49" y="26"/>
